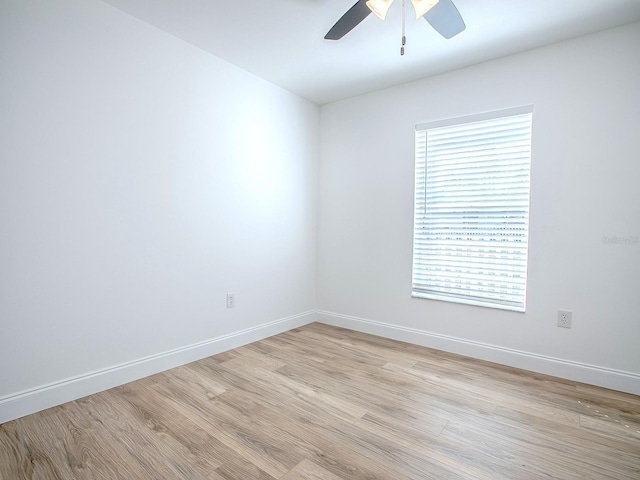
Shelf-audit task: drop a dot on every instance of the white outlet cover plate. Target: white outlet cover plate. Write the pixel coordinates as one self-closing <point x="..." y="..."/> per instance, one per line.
<point x="564" y="318"/>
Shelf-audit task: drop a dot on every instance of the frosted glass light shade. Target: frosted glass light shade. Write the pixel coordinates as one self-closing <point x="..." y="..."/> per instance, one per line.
<point x="421" y="6"/>
<point x="380" y="7"/>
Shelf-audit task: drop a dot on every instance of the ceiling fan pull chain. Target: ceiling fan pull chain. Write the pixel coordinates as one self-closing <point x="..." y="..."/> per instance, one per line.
<point x="404" y="38"/>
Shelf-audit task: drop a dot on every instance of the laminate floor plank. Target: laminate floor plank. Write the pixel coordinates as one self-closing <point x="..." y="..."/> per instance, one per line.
<point x="15" y="459"/>
<point x="490" y="394"/>
<point x="237" y="436"/>
<point x="532" y="453"/>
<point x="344" y="448"/>
<point x="326" y="403"/>
<point x="287" y="387"/>
<point x="415" y="445"/>
<point x="160" y="456"/>
<point x="503" y="430"/>
<point x="208" y="450"/>
<point x="175" y="440"/>
<point x="81" y="445"/>
<point x="192" y="379"/>
<point x="321" y="436"/>
<point x="575" y="439"/>
<point x="170" y="403"/>
<point x="323" y="446"/>
<point x="367" y="352"/>
<point x="265" y="361"/>
<point x="386" y="394"/>
<point x="313" y="428"/>
<point x="307" y="470"/>
<point x="289" y="350"/>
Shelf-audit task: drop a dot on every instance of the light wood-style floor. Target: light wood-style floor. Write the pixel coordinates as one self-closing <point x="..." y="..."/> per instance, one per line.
<point x="325" y="403"/>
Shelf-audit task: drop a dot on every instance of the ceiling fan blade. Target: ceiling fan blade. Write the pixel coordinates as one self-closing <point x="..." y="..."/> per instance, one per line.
<point x="349" y="21"/>
<point x="445" y="19"/>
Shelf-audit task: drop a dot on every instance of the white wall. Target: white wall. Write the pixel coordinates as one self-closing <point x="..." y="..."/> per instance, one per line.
<point x="585" y="185"/>
<point x="140" y="180"/>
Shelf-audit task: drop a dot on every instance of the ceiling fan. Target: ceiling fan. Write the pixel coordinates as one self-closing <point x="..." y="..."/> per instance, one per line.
<point x="442" y="15"/>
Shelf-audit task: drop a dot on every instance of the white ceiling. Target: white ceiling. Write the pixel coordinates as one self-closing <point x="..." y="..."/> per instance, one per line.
<point x="282" y="40"/>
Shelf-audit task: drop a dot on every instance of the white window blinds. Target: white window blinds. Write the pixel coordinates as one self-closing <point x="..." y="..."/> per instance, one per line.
<point x="471" y="213"/>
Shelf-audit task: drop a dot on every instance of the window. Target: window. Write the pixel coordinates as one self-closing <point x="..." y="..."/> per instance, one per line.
<point x="471" y="210"/>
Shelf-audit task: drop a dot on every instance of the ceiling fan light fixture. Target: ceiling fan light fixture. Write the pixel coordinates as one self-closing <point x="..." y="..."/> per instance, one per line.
<point x="423" y="6"/>
<point x="379" y="7"/>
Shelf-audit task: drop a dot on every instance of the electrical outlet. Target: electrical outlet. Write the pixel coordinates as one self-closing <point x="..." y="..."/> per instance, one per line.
<point x="231" y="300"/>
<point x="564" y="318"/>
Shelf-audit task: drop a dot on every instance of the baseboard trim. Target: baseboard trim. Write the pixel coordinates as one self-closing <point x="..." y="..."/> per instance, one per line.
<point x="47" y="396"/>
<point x="580" y="372"/>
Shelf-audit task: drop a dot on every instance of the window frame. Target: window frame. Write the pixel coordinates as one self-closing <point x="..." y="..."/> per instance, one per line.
<point x="421" y="290"/>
